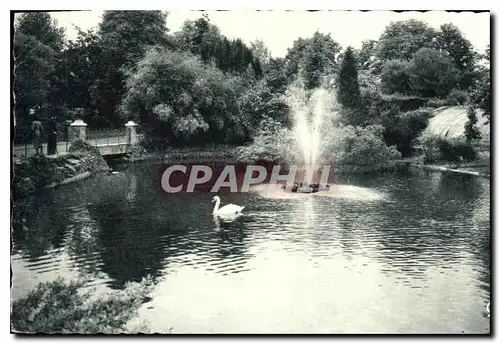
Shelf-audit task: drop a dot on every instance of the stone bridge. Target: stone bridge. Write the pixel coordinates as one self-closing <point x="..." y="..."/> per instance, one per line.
<point x="109" y="142"/>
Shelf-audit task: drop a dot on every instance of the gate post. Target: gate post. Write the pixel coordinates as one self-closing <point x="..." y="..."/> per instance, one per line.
<point x="131" y="133"/>
<point x="78" y="130"/>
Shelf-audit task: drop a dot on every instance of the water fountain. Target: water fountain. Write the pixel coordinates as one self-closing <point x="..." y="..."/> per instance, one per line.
<point x="313" y="112"/>
<point x="315" y="124"/>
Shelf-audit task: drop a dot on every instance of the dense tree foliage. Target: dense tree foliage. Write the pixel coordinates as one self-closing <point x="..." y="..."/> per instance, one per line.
<point x="124" y="38"/>
<point x="196" y="85"/>
<point x="348" y="93"/>
<point x="275" y="75"/>
<point x="402" y="129"/>
<point x="37" y="51"/>
<point x="366" y="55"/>
<point x="472" y="132"/>
<point x="481" y="91"/>
<point x="402" y="39"/>
<point x="432" y="73"/>
<point x="259" y="103"/>
<point x="312" y="59"/>
<point x="260" y="52"/>
<point x="395" y="77"/>
<point x="181" y="100"/>
<point x="84" y="63"/>
<point x="204" y="39"/>
<point x="363" y="151"/>
<point x="451" y="40"/>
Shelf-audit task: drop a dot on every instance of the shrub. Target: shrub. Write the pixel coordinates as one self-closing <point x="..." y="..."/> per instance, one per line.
<point x="361" y="150"/>
<point x="259" y="102"/>
<point x="61" y="307"/>
<point x="273" y="143"/>
<point x="441" y="150"/>
<point x="395" y="77"/>
<point x="456" y="151"/>
<point x="472" y="131"/>
<point x="457" y="97"/>
<point x="437" y="103"/>
<point x="377" y="103"/>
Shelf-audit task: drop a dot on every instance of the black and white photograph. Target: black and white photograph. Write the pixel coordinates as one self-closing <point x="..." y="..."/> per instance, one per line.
<point x="180" y="171"/>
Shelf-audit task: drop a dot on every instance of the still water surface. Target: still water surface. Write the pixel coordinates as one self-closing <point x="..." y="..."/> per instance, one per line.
<point x="414" y="259"/>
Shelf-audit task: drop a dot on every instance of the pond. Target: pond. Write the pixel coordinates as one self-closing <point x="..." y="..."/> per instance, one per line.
<point x="413" y="259"/>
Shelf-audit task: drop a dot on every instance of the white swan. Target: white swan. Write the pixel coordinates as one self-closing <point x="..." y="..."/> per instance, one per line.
<point x="227" y="209"/>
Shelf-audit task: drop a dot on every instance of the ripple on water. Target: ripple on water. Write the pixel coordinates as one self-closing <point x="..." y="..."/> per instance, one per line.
<point x="336" y="191"/>
<point x="327" y="254"/>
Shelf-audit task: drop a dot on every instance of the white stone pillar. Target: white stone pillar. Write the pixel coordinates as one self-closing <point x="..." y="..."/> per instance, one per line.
<point x="131" y="133"/>
<point x="78" y="130"/>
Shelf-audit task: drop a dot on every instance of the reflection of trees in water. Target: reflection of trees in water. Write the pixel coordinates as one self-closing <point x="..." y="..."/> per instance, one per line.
<point x="480" y="236"/>
<point x="126" y="241"/>
<point x="39" y="224"/>
<point x="121" y="226"/>
<point x="140" y="235"/>
<point x="83" y="245"/>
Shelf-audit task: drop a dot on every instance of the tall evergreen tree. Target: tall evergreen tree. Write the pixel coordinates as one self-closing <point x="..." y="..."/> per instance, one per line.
<point x="471" y="130"/>
<point x="348" y="93"/>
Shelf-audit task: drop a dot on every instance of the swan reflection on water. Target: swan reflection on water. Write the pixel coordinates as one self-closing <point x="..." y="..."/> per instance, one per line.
<point x="226" y="218"/>
<point x="227" y="244"/>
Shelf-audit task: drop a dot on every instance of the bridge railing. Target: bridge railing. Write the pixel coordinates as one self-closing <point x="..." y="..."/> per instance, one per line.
<point x="106" y="137"/>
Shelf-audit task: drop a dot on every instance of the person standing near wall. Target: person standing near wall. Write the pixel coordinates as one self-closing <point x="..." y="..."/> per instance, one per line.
<point x="52" y="137"/>
<point x="37" y="131"/>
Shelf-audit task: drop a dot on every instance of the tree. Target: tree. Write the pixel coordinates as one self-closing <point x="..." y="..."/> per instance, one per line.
<point x="395" y="77"/>
<point x="348" y="93"/>
<point x="259" y="103"/>
<point x="294" y="56"/>
<point x="37" y="46"/>
<point x="319" y="60"/>
<point x="471" y="130"/>
<point x="275" y="75"/>
<point x="481" y="92"/>
<point x="366" y="56"/>
<point x="312" y="59"/>
<point x="460" y="50"/>
<point x="204" y="39"/>
<point x="361" y="150"/>
<point x="487" y="54"/>
<point x="402" y="129"/>
<point x="179" y="100"/>
<point x="125" y="36"/>
<point x="432" y="73"/>
<point x="43" y="28"/>
<point x="402" y="39"/>
<point x="84" y="67"/>
<point x="260" y="51"/>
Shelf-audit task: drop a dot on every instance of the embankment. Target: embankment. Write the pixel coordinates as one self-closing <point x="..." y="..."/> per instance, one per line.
<point x="41" y="172"/>
<point x="223" y="154"/>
